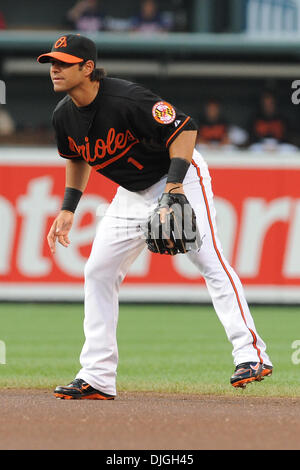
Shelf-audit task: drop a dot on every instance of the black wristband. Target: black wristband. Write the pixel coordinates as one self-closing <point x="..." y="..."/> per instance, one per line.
<point x="71" y="199"/>
<point x="178" y="169"/>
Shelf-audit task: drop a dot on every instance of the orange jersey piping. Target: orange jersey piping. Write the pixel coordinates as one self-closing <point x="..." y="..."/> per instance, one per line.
<point x="177" y="130"/>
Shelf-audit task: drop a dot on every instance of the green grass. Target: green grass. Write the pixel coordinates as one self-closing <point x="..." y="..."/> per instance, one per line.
<point x="161" y="348"/>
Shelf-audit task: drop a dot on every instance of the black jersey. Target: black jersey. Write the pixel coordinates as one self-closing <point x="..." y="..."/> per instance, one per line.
<point x="123" y="134"/>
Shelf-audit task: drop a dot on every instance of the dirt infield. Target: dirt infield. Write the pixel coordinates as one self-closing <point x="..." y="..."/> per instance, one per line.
<point x="34" y="419"/>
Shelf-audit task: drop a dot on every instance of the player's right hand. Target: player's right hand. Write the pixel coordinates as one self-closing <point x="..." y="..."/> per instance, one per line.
<point x="60" y="230"/>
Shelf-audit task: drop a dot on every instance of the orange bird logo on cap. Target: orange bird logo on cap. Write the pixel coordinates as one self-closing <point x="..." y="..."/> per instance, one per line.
<point x="61" y="42"/>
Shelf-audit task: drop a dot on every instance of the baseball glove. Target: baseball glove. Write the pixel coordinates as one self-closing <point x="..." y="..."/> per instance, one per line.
<point x="176" y="231"/>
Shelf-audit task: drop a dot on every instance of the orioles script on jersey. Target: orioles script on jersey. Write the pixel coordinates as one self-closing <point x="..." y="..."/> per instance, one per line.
<point x="124" y="134"/>
<point x="122" y="141"/>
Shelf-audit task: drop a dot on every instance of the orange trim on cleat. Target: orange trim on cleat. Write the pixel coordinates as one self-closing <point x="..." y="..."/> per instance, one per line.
<point x="267" y="372"/>
<point x="95" y="396"/>
<point x="63" y="397"/>
<point x="244" y="382"/>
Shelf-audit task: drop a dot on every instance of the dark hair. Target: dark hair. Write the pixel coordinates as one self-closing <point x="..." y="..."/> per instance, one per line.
<point x="96" y="74"/>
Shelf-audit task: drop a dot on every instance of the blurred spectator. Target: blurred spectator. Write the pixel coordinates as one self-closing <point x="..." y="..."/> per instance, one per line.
<point x="269" y="130"/>
<point x="2" y="21"/>
<point x="87" y="16"/>
<point x="213" y="128"/>
<point x="7" y="125"/>
<point x="150" y="20"/>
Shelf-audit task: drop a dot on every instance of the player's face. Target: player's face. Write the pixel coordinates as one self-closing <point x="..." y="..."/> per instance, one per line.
<point x="65" y="77"/>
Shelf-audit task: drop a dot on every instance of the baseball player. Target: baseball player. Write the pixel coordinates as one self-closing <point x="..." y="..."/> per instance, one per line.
<point x="145" y="145"/>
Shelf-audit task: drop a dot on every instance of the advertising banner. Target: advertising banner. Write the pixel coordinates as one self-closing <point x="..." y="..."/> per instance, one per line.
<point x="257" y="199"/>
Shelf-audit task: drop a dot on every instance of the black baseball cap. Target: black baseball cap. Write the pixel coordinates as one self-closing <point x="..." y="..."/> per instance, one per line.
<point x="72" y="49"/>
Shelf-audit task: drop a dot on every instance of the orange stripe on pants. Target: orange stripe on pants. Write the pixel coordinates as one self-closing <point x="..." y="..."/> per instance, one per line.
<point x="254" y="343"/>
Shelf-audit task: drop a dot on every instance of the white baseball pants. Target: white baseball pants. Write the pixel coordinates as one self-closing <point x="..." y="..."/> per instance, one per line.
<point x="117" y="244"/>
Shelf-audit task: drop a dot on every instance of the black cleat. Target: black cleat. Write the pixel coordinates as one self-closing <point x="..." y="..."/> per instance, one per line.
<point x="248" y="372"/>
<point x="80" y="390"/>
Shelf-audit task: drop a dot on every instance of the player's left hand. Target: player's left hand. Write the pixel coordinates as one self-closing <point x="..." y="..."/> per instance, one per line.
<point x="60" y="230"/>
